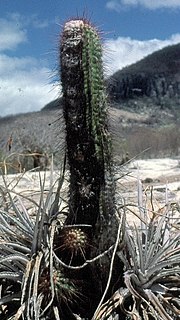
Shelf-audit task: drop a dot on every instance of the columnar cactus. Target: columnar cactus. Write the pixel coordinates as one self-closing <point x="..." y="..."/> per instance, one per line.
<point x="91" y="200"/>
<point x="85" y="113"/>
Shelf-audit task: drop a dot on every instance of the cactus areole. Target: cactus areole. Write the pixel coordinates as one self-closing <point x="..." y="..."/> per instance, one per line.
<point x="84" y="107"/>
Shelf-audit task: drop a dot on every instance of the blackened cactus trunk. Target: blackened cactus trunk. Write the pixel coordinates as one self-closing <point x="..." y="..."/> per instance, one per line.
<point x="85" y="113"/>
<point x="88" y="143"/>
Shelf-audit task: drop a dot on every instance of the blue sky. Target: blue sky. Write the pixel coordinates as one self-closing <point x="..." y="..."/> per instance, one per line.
<point x="29" y="35"/>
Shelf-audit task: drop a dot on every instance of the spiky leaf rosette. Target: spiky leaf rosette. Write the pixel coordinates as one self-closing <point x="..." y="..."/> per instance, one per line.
<point x="16" y="236"/>
<point x="32" y="282"/>
<point x="85" y="113"/>
<point x="152" y="276"/>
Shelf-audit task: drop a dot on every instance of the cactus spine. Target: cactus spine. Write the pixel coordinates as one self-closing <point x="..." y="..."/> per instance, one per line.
<point x="85" y="113"/>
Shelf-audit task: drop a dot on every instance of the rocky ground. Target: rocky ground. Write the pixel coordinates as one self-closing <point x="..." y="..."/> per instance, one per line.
<point x="152" y="184"/>
<point x="160" y="174"/>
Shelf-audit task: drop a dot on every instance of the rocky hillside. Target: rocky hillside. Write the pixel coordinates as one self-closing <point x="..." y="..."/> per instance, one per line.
<point x="155" y="78"/>
<point x="149" y="86"/>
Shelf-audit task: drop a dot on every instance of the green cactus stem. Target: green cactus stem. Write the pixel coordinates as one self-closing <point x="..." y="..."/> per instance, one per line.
<point x="85" y="112"/>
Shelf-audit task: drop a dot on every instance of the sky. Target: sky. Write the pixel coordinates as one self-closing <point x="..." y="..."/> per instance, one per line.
<point x="30" y="32"/>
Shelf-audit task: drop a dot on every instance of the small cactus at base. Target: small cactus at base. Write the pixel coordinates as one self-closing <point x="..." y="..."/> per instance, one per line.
<point x="64" y="288"/>
<point x="73" y="241"/>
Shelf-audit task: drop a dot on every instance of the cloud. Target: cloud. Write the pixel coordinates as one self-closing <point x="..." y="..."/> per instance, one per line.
<point x="124" y="51"/>
<point x="11" y="35"/>
<point x="149" y="4"/>
<point x="13" y="32"/>
<point x="24" y="85"/>
<point x="39" y="24"/>
<point x="24" y="81"/>
<point x="30" y="20"/>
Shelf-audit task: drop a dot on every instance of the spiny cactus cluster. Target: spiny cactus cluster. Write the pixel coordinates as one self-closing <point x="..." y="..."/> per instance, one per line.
<point x="74" y="239"/>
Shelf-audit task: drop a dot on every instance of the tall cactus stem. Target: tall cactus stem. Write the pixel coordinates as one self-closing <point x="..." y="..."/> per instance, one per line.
<point x="85" y="112"/>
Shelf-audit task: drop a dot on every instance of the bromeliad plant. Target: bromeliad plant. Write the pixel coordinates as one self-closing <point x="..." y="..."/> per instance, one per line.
<point x="151" y="258"/>
<point x="32" y="281"/>
<point x="152" y="276"/>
